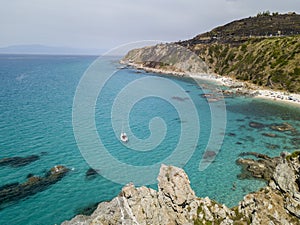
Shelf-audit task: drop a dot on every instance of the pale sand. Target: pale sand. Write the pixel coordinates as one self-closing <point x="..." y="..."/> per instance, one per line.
<point x="257" y="91"/>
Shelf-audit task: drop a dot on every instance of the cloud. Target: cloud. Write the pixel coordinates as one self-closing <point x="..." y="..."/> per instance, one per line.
<point x="101" y="23"/>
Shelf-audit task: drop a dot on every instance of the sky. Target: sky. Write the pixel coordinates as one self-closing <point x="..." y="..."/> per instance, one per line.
<point x="104" y="24"/>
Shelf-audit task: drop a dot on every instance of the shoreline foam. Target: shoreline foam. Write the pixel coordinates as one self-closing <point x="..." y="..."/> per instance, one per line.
<point x="252" y="89"/>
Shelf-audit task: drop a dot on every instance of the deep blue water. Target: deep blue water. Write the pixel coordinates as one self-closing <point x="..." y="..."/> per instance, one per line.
<point x="36" y="100"/>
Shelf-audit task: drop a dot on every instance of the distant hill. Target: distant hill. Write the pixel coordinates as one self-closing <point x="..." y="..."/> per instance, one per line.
<point x="264" y="50"/>
<point x="264" y="25"/>
<point x="41" y="49"/>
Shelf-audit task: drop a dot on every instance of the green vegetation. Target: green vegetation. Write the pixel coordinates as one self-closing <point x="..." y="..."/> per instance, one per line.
<point x="238" y="218"/>
<point x="293" y="155"/>
<point x="273" y="62"/>
<point x="264" y="50"/>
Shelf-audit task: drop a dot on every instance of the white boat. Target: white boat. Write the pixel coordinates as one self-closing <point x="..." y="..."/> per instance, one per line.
<point x="124" y="137"/>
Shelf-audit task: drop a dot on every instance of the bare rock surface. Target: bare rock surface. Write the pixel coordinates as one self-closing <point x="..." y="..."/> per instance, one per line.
<point x="176" y="203"/>
<point x="167" y="58"/>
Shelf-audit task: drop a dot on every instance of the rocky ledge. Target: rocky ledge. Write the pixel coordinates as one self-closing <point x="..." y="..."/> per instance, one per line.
<point x="176" y="203"/>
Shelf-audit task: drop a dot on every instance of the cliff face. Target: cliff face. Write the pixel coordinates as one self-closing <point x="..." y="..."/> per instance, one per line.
<point x="175" y="202"/>
<point x="166" y="58"/>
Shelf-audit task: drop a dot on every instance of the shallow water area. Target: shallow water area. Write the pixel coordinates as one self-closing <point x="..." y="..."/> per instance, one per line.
<point x="36" y="99"/>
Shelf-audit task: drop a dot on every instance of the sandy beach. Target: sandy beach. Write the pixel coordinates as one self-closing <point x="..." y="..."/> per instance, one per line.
<point x="258" y="91"/>
<point x="246" y="87"/>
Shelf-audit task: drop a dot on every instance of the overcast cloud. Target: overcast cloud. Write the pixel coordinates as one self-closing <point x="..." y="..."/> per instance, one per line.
<point x="106" y="24"/>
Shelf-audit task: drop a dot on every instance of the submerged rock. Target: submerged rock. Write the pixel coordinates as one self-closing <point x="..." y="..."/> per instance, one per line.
<point x="272" y="146"/>
<point x="296" y="141"/>
<point x="34" y="184"/>
<point x="180" y="99"/>
<point x="88" y="210"/>
<point x="269" y="135"/>
<point x="209" y="154"/>
<point x="91" y="173"/>
<point x="18" y="161"/>
<point x="283" y="127"/>
<point x="256" y="125"/>
<point x="262" y="168"/>
<point x="231" y="134"/>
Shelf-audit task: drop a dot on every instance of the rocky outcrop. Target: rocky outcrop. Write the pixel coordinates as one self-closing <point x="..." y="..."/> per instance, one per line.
<point x="262" y="168"/>
<point x="18" y="161"/>
<point x="10" y="193"/>
<point x="166" y="58"/>
<point x="176" y="203"/>
<point x="279" y="202"/>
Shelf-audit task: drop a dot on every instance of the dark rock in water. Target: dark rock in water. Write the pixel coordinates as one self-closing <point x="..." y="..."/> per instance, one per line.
<point x="269" y="135"/>
<point x="209" y="154"/>
<point x="34" y="184"/>
<point x="91" y="173"/>
<point x="18" y="161"/>
<point x="181" y="99"/>
<point x="296" y="142"/>
<point x="88" y="210"/>
<point x="255" y="154"/>
<point x="250" y="138"/>
<point x="256" y="125"/>
<point x="29" y="175"/>
<point x="231" y="134"/>
<point x="262" y="168"/>
<point x="245" y="175"/>
<point x="283" y="127"/>
<point x="242" y="127"/>
<point x="6" y="186"/>
<point x="57" y="171"/>
<point x="272" y="146"/>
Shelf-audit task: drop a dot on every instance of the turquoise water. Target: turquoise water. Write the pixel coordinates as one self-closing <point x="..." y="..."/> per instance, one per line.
<point x="36" y="98"/>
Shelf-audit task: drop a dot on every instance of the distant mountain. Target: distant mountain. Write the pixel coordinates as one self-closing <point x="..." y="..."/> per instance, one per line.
<point x="50" y="50"/>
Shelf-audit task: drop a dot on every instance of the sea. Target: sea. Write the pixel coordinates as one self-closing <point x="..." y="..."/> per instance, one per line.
<point x="70" y="110"/>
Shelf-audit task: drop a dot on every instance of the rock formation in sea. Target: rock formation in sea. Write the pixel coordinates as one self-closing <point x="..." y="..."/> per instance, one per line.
<point x="18" y="161"/>
<point x="176" y="203"/>
<point x="13" y="192"/>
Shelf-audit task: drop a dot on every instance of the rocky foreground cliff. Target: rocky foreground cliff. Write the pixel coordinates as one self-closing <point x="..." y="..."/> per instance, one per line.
<point x="176" y="203"/>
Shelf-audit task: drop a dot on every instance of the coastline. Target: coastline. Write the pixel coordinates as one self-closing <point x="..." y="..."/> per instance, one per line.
<point x="234" y="85"/>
